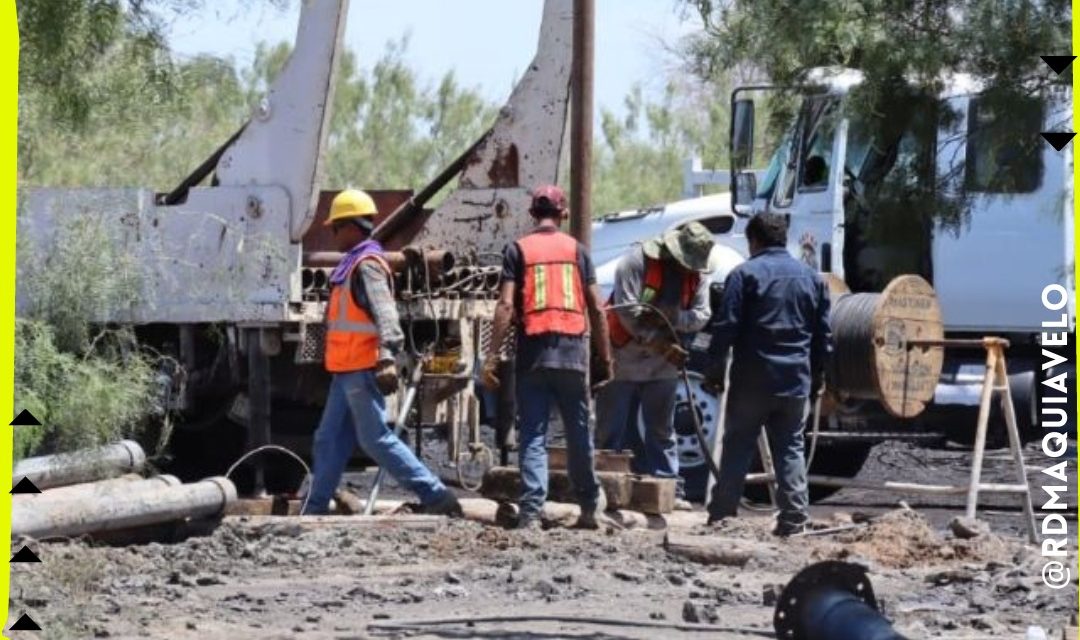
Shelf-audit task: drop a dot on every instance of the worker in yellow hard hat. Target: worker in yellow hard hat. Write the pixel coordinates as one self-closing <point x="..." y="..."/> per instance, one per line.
<point x="363" y="338"/>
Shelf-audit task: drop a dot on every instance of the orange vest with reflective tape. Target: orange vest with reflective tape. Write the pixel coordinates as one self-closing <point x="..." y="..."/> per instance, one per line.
<point x="654" y="279"/>
<point x="553" y="299"/>
<point x="352" y="338"/>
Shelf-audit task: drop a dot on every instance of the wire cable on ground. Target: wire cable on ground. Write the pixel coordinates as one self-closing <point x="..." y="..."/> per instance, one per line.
<point x="274" y="447"/>
<point x="422" y="625"/>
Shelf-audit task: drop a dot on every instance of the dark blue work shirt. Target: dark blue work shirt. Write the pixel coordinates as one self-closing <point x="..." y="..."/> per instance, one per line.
<point x="775" y="316"/>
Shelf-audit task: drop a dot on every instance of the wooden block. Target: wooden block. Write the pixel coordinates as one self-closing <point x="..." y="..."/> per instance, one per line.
<point x="504" y="484"/>
<point x="250" y="507"/>
<point x="613" y="461"/>
<point x="603" y="460"/>
<point x="556" y="457"/>
<point x="653" y="495"/>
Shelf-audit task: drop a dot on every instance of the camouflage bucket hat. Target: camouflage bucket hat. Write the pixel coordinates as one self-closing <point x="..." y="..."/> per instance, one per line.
<point x="690" y="245"/>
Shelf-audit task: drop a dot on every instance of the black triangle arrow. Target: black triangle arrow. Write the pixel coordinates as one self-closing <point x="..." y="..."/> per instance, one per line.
<point x="1058" y="139"/>
<point x="25" y="486"/>
<point x="25" y="555"/>
<point x="24" y="623"/>
<point x="1058" y="63"/>
<point x="25" y="419"/>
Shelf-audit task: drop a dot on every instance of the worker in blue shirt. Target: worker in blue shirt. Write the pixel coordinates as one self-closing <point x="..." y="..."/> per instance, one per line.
<point x="775" y="317"/>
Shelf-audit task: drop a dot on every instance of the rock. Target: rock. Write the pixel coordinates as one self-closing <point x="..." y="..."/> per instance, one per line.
<point x="453" y="578"/>
<point x="381" y="616"/>
<point x="690" y="612"/>
<point x="770" y="593"/>
<point x="699" y="614"/>
<point x="190" y="625"/>
<point x="967" y="528"/>
<point x="1035" y="633"/>
<point x="628" y="576"/>
<point x="206" y="581"/>
<point x="676" y="579"/>
<point x="657" y="615"/>
<point x="563" y="578"/>
<point x="545" y="588"/>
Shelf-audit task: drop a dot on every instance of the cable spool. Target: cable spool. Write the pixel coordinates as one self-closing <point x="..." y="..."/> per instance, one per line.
<point x="871" y="357"/>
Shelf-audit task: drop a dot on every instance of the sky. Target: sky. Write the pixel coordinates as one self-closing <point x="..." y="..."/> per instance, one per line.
<point x="487" y="43"/>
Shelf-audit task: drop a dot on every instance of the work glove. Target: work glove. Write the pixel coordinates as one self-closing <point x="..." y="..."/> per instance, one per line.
<point x="386" y="378"/>
<point x="676" y="355"/>
<point x="488" y="377"/>
<point x="714" y="382"/>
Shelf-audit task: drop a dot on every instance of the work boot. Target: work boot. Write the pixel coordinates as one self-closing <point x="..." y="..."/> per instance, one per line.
<point x="447" y="505"/>
<point x="587" y="520"/>
<point x="788" y="529"/>
<point x="529" y="522"/>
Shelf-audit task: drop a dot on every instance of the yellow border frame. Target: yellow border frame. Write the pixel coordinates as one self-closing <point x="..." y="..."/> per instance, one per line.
<point x="9" y="119"/>
<point x="9" y="125"/>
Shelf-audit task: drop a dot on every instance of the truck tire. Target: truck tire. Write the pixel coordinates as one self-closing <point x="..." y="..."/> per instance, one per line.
<point x="834" y="459"/>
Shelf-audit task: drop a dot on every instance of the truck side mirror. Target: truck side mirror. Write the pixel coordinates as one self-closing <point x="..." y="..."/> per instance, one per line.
<point x="742" y="134"/>
<point x="745" y="188"/>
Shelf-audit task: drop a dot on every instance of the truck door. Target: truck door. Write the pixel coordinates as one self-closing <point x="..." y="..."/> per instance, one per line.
<point x="810" y="184"/>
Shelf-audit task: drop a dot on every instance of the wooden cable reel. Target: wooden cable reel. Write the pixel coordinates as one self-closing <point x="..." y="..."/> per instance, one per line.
<point x="877" y="353"/>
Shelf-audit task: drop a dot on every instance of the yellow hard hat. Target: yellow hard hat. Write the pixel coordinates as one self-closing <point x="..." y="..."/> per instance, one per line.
<point x="351" y="203"/>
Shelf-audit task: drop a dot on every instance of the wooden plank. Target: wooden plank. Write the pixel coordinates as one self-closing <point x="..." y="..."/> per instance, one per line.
<point x="603" y="460"/>
<point x="408" y="521"/>
<point x="712" y="550"/>
<point x="653" y="495"/>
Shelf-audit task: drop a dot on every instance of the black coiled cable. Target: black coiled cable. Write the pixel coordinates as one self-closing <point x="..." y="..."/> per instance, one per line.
<point x="853" y="367"/>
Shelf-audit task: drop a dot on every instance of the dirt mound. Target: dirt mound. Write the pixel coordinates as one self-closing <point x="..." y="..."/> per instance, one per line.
<point x="904" y="538"/>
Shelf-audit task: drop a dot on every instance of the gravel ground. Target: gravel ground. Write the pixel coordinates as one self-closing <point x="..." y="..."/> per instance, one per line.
<point x="281" y="581"/>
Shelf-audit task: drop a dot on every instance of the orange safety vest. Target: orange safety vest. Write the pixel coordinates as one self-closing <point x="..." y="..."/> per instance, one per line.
<point x="654" y="279"/>
<point x="553" y="299"/>
<point x="352" y="338"/>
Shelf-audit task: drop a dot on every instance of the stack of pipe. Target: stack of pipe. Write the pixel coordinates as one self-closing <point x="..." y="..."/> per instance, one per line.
<point x="97" y="491"/>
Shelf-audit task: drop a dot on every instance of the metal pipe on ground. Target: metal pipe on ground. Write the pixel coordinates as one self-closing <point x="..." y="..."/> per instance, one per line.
<point x="130" y="483"/>
<point x="831" y="600"/>
<point x="85" y="465"/>
<point x="90" y="514"/>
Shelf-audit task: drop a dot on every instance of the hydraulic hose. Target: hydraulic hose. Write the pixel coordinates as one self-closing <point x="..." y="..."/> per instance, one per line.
<point x="714" y="468"/>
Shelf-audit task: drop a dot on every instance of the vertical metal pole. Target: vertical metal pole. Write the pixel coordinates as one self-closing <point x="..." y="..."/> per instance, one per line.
<point x="581" y="123"/>
<point x="258" y="404"/>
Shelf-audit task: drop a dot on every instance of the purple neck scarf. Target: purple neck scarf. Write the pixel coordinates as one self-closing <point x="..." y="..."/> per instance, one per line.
<point x="365" y="248"/>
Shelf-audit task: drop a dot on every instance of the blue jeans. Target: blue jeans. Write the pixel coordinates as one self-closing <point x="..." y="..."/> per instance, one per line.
<point x="537" y="391"/>
<point x="783" y="419"/>
<point x="355" y="414"/>
<point x="617" y="418"/>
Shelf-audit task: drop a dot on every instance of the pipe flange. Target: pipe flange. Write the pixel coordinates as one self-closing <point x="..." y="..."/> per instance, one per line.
<point x="847" y="576"/>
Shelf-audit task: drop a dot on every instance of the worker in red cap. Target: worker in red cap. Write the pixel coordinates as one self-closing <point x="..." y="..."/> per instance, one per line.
<point x="549" y="287"/>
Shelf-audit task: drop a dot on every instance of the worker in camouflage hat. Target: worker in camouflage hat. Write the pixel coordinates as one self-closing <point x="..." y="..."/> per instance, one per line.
<point x="659" y="300"/>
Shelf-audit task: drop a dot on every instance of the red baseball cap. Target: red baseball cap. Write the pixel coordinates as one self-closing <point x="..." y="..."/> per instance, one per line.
<point x="548" y="197"/>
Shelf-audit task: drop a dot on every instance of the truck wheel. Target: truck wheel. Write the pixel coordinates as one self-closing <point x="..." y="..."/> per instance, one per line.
<point x="692" y="464"/>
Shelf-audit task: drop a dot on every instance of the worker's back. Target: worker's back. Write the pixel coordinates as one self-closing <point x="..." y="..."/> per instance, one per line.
<point x="782" y="322"/>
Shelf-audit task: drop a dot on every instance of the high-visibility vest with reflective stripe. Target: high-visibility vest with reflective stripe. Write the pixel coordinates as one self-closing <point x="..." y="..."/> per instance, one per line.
<point x="352" y="338"/>
<point x="654" y="279"/>
<point x="553" y="297"/>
